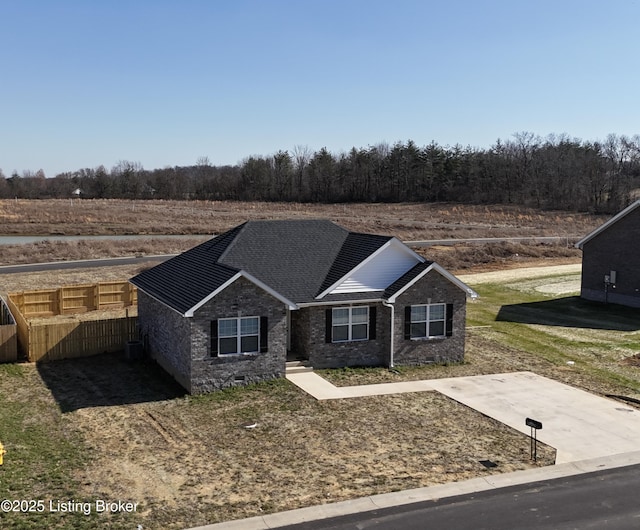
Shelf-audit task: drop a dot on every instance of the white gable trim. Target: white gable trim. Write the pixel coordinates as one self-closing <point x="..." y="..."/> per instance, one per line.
<point x="393" y="242"/>
<point x="435" y="267"/>
<point x="606" y="225"/>
<point x="252" y="279"/>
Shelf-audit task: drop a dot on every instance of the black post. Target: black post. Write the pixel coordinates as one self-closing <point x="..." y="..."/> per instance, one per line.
<point x="534" y="445"/>
<point x="535" y="425"/>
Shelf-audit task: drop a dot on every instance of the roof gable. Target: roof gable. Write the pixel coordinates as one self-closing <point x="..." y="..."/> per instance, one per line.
<point x="242" y="274"/>
<point x="376" y="271"/>
<point x="608" y="224"/>
<point x="355" y="249"/>
<point x="419" y="271"/>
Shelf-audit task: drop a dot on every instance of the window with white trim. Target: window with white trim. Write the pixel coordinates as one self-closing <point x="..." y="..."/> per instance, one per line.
<point x="428" y="321"/>
<point x="349" y="324"/>
<point x="238" y="335"/>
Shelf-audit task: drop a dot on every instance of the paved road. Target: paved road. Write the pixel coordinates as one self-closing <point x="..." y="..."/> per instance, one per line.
<point x="110" y="262"/>
<point x="604" y="499"/>
<point x="82" y="264"/>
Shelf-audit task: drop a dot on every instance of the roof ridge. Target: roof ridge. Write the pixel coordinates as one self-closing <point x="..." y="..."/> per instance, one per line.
<point x="238" y="230"/>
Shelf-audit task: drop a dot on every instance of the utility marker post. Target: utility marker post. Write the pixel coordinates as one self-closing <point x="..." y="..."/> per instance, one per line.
<point x="535" y="425"/>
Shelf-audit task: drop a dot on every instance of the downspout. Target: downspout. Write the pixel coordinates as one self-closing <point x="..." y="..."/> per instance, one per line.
<point x="393" y="319"/>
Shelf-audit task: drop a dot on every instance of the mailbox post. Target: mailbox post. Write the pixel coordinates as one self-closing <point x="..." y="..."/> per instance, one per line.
<point x="535" y="425"/>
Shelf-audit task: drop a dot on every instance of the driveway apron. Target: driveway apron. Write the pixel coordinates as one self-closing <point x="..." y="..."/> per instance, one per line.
<point x="579" y="425"/>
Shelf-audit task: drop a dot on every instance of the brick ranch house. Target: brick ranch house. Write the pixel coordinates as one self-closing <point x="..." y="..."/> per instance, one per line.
<point x="234" y="309"/>
<point x="611" y="260"/>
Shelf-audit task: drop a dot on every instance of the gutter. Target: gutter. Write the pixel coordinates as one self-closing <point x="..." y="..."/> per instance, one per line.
<point x="393" y="319"/>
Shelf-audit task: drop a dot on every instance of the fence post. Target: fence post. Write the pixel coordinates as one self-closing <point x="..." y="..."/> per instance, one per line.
<point x="96" y="297"/>
<point x="59" y="300"/>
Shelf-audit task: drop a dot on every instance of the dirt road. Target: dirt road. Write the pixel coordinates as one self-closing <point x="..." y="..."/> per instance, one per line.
<point x="528" y="273"/>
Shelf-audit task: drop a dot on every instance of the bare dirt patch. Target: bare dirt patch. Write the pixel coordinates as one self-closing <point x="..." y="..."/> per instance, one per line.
<point x="190" y="460"/>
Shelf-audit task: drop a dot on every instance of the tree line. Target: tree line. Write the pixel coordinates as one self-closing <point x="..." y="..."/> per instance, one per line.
<point x="556" y="172"/>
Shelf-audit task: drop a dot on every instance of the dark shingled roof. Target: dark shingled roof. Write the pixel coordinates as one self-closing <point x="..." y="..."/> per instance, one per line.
<point x="291" y="257"/>
<point x="188" y="278"/>
<point x="296" y="258"/>
<point x="406" y="278"/>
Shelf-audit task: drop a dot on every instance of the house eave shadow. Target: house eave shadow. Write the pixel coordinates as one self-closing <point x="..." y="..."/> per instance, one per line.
<point x="106" y="380"/>
<point x="572" y="312"/>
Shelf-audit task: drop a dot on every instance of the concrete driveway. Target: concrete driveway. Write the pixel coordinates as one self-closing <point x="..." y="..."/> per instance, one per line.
<point x="579" y="425"/>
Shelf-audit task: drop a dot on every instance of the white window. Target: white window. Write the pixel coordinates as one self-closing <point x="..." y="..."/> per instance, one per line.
<point x="349" y="324"/>
<point x="239" y="335"/>
<point x="428" y="321"/>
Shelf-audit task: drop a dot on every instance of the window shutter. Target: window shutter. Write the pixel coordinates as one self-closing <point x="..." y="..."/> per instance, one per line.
<point x="372" y="323"/>
<point x="214" y="337"/>
<point x="407" y="322"/>
<point x="328" y="325"/>
<point x="449" y="317"/>
<point x="264" y="334"/>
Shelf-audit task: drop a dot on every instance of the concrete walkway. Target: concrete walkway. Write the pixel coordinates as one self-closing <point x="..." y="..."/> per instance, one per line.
<point x="321" y="389"/>
<point x="579" y="425"/>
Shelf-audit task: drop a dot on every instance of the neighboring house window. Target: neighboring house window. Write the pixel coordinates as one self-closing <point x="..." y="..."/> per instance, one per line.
<point x="428" y="321"/>
<point x="239" y="335"/>
<point x="346" y="324"/>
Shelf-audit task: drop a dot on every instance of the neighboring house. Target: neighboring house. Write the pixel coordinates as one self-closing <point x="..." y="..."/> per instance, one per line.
<point x="233" y="310"/>
<point x="611" y="260"/>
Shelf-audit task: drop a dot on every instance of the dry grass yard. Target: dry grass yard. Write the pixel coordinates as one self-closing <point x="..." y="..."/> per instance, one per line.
<point x="190" y="460"/>
<point x="109" y="429"/>
<point x="102" y="428"/>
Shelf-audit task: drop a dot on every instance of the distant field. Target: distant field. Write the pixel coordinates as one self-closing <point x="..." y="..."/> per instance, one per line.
<point x="407" y="221"/>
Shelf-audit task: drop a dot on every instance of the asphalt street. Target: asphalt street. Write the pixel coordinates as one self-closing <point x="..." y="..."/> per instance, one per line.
<point x="109" y="262"/>
<point x="82" y="264"/>
<point x="603" y="499"/>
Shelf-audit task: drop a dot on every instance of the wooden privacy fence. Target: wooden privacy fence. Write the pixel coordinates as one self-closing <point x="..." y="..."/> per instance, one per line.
<point x="75" y="299"/>
<point x="50" y="340"/>
<point x="8" y="335"/>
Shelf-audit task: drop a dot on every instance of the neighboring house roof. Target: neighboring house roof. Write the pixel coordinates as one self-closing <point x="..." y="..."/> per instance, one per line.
<point x="606" y="225"/>
<point x="297" y="261"/>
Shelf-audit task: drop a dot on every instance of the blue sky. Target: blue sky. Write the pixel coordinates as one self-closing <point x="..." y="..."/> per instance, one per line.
<point x="163" y="83"/>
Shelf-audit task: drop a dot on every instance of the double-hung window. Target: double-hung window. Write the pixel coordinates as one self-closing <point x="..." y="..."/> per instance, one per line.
<point x="238" y="335"/>
<point x="349" y="324"/>
<point x="428" y="321"/>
